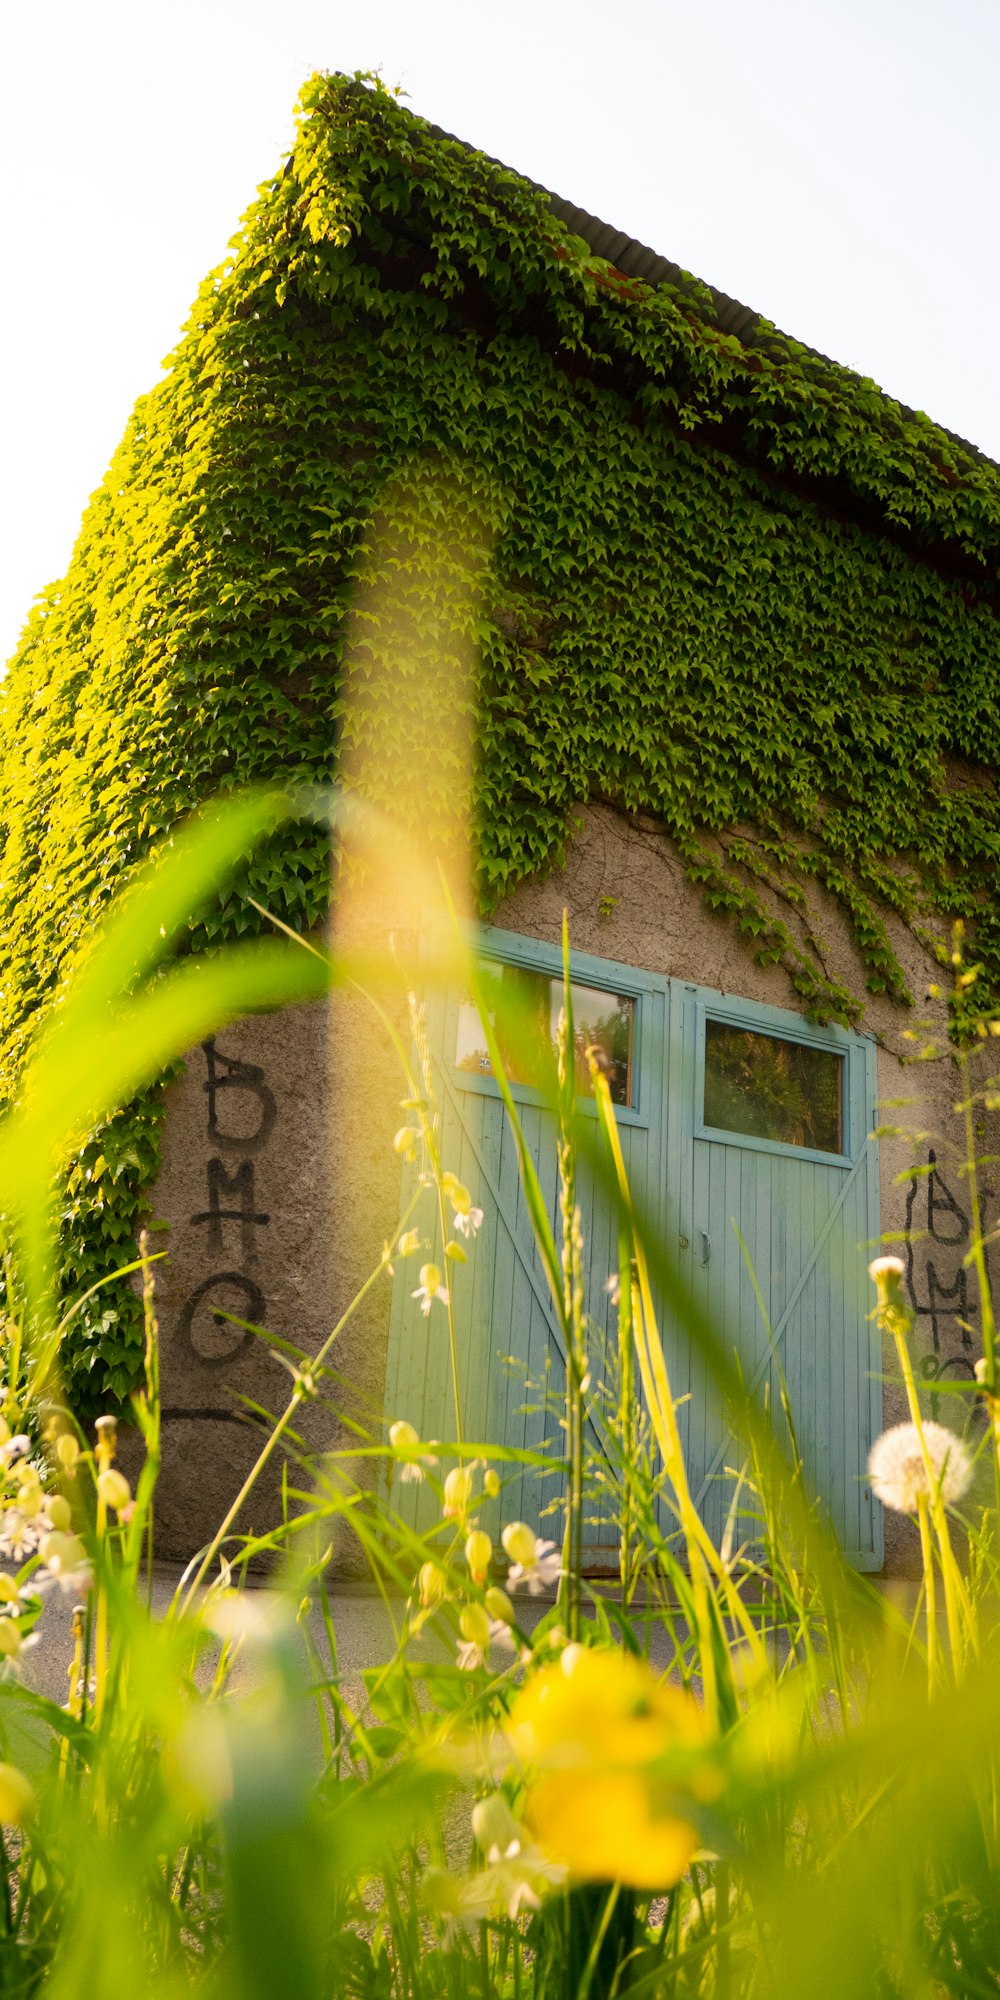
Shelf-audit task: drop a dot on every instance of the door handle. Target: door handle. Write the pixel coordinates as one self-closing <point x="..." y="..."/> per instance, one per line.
<point x="706" y="1245"/>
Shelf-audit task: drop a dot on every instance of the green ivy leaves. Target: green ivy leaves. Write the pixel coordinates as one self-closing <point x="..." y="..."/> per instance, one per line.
<point x="732" y="586"/>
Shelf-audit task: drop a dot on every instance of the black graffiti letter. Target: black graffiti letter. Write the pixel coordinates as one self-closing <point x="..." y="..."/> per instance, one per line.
<point x="212" y="1338"/>
<point x="941" y="1201"/>
<point x="239" y="1184"/>
<point x="236" y="1075"/>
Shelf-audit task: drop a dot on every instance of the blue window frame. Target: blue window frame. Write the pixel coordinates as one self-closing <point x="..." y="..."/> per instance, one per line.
<point x="777" y="1024"/>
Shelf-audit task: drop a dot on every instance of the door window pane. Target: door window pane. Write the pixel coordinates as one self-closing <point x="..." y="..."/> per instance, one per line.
<point x="525" y="1018"/>
<point x="770" y="1088"/>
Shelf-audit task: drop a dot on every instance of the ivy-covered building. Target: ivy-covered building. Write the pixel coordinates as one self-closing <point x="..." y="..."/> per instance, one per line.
<point x="735" y="706"/>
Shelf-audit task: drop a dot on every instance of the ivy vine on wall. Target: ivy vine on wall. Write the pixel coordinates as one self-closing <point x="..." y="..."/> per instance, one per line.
<point x="731" y="585"/>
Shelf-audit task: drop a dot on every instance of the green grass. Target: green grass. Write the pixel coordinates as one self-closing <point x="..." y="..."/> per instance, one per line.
<point x="803" y="1804"/>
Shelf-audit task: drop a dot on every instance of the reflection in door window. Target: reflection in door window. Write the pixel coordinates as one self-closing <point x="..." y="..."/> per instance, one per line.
<point x="770" y="1088"/>
<point x="524" y="1014"/>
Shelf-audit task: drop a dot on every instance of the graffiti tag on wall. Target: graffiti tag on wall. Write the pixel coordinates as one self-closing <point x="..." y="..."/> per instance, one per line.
<point x="942" y="1290"/>
<point x="240" y="1118"/>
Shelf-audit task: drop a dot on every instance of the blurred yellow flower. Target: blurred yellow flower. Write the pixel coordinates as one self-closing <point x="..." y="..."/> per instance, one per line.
<point x="613" y="1754"/>
<point x="601" y="1703"/>
<point x="602" y="1826"/>
<point x="16" y="1795"/>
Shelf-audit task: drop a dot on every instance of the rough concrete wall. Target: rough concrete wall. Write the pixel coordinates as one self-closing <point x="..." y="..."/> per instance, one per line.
<point x="322" y="1171"/>
<point x="276" y="1212"/>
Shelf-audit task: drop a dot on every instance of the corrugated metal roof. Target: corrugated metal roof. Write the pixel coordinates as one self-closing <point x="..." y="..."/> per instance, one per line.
<point x="637" y="260"/>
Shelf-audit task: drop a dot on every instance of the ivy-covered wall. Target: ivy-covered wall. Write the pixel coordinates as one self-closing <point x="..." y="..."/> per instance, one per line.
<point x="734" y="586"/>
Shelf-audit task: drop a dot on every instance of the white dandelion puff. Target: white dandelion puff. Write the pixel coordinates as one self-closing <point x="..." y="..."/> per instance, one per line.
<point x="886" y="1267"/>
<point x="898" y="1470"/>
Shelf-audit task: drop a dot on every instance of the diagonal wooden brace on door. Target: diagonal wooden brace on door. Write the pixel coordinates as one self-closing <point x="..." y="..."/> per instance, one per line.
<point x="527" y="1263"/>
<point x="804" y="1276"/>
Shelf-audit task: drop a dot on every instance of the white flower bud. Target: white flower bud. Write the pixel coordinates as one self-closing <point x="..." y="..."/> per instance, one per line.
<point x="520" y="1542"/>
<point x="402" y="1435"/>
<point x="498" y="1605"/>
<point x="474" y="1625"/>
<point x="457" y="1491"/>
<point x="494" y="1824"/>
<point x="113" y="1488"/>
<point x="432" y="1584"/>
<point x="478" y="1550"/>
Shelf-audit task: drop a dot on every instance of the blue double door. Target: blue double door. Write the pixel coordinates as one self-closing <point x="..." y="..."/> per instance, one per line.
<point x="745" y="1134"/>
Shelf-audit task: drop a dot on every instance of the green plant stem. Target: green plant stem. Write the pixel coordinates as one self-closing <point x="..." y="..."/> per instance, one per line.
<point x="572" y="1290"/>
<point x="957" y="1603"/>
<point x="299" y="1395"/>
<point x="927" y="1558"/>
<point x="977" y="1257"/>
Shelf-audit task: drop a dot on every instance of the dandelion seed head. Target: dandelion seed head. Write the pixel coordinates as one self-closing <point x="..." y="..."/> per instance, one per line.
<point x="898" y="1472"/>
<point x="884" y="1267"/>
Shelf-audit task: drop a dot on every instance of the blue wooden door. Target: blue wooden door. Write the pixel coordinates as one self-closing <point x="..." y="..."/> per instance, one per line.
<point x="512" y="1362"/>
<point x="805" y="1212"/>
<point x="769" y="1122"/>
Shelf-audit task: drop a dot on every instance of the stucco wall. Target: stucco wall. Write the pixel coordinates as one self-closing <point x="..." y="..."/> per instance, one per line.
<point x="298" y="1141"/>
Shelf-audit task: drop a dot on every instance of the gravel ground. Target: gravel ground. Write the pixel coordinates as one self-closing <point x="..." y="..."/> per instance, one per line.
<point x="362" y="1623"/>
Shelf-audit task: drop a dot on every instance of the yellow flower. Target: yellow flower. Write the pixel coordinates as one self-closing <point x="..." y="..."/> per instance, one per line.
<point x="603" y="1703"/>
<point x="597" y="1727"/>
<point x="16" y="1795"/>
<point x="602" y="1827"/>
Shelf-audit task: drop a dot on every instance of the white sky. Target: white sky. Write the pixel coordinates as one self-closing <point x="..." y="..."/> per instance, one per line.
<point x="832" y="163"/>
